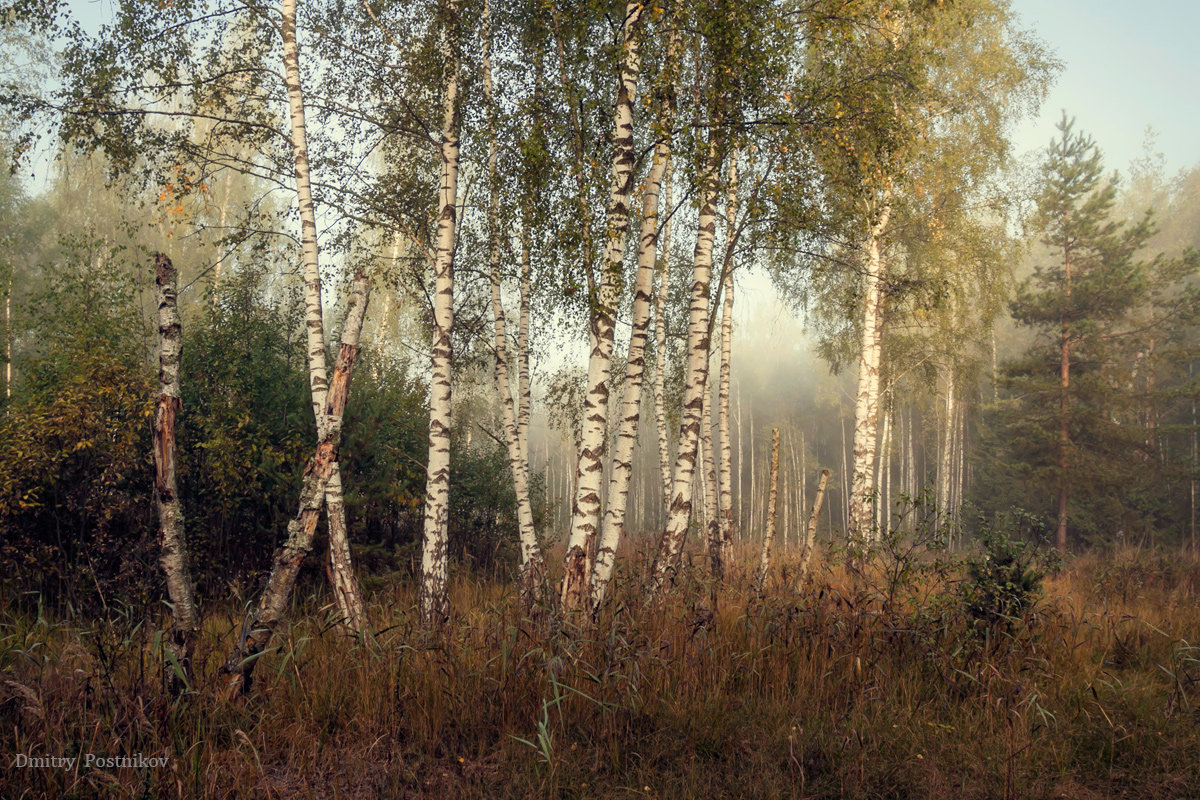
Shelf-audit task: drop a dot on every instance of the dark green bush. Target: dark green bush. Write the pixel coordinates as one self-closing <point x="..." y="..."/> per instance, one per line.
<point x="1004" y="582"/>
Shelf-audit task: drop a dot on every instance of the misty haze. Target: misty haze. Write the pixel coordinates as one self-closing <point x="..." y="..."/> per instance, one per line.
<point x="502" y="399"/>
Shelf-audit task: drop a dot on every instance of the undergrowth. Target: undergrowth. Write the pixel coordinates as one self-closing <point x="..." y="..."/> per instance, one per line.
<point x="991" y="678"/>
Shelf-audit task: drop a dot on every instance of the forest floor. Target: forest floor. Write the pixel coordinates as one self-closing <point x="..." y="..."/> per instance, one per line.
<point x="919" y="679"/>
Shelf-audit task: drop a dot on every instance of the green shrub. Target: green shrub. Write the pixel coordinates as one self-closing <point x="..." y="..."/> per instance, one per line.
<point x="1004" y="582"/>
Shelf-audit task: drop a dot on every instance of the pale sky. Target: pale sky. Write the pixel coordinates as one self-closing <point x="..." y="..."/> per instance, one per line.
<point x="1127" y="64"/>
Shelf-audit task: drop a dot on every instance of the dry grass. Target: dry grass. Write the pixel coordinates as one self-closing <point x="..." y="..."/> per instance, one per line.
<point x="884" y="690"/>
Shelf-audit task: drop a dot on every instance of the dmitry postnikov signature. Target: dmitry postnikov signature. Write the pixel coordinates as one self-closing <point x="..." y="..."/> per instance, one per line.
<point x="87" y="761"/>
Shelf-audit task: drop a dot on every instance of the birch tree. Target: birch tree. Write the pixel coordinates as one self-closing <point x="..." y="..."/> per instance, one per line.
<point x="671" y="542"/>
<point x="515" y="419"/>
<point x="173" y="556"/>
<point x="260" y="626"/>
<point x="434" y="601"/>
<point x="587" y="507"/>
<point x="647" y="261"/>
<point x="345" y="585"/>
<point x="725" y="474"/>
<point x="764" y="564"/>
<point x="660" y="353"/>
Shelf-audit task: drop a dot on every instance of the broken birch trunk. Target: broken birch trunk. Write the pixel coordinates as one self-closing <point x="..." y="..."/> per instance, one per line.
<point x="810" y="533"/>
<point x="260" y="627"/>
<point x="171" y="541"/>
<point x="764" y="563"/>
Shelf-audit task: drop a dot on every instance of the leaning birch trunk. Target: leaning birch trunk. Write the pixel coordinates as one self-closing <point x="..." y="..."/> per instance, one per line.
<point x="660" y="350"/>
<point x="585" y="520"/>
<point x="258" y="630"/>
<point x="671" y="542"/>
<point x="434" y="602"/>
<point x="764" y="563"/>
<point x="310" y="254"/>
<point x="171" y="541"/>
<point x="810" y="532"/>
<point x="635" y="369"/>
<point x="531" y="553"/>
<point x="347" y="594"/>
<point x="866" y="405"/>
<point x="345" y="585"/>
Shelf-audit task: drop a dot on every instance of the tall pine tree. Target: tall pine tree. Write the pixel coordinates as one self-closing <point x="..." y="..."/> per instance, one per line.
<point x="1069" y="425"/>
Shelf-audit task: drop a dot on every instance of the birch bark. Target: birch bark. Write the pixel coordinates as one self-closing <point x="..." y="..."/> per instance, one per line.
<point x="346" y="591"/>
<point x="345" y="585"/>
<point x="866" y="407"/>
<point x="660" y="349"/>
<point x="725" y="473"/>
<point x="172" y="542"/>
<point x="622" y="460"/>
<point x="945" y="453"/>
<point x="590" y="471"/>
<point x="531" y="553"/>
<point x="883" y="476"/>
<point x="310" y="254"/>
<point x="764" y="564"/>
<point x="673" y="536"/>
<point x="810" y="532"/>
<point x="434" y="603"/>
<point x="708" y="473"/>
<point x="8" y="338"/>
<point x="260" y="627"/>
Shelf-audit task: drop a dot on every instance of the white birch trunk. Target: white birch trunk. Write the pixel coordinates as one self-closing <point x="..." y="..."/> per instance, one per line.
<point x="753" y="464"/>
<point x="260" y="627"/>
<point x="866" y="405"/>
<point x="673" y="536"/>
<point x="660" y="346"/>
<point x="345" y="585"/>
<point x="8" y="338"/>
<point x="310" y="254"/>
<point x="434" y="602"/>
<point x="172" y="542"/>
<point x="883" y="474"/>
<point x="845" y="492"/>
<point x="524" y="392"/>
<point x="590" y="471"/>
<point x="960" y="466"/>
<point x="725" y="474"/>
<point x="810" y="532"/>
<point x="346" y="591"/>
<point x="708" y="472"/>
<point x="764" y="564"/>
<point x="945" y="454"/>
<point x="531" y="553"/>
<point x="741" y="461"/>
<point x="622" y="460"/>
<point x="803" y="474"/>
